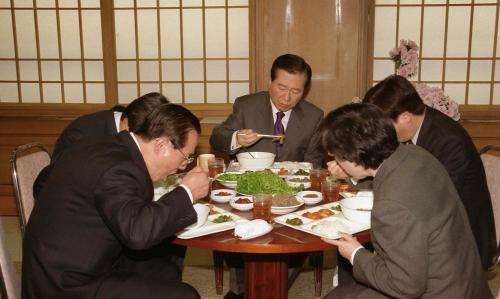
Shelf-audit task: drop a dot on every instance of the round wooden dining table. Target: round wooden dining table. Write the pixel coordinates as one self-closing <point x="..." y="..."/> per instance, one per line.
<point x="266" y="257"/>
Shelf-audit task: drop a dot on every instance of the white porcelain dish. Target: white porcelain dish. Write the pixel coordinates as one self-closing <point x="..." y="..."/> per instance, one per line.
<point x="327" y="227"/>
<point x="227" y="184"/>
<point x="298" y="180"/>
<point x="357" y="209"/>
<point x="310" y="197"/>
<point x="241" y="206"/>
<point x="201" y="215"/>
<point x="217" y="195"/>
<point x="260" y="160"/>
<point x="286" y="210"/>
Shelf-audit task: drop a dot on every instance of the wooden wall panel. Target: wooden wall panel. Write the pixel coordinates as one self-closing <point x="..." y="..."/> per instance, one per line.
<point x="329" y="35"/>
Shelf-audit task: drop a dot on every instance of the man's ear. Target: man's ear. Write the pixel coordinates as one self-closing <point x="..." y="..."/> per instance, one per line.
<point x="405" y="117"/>
<point x="162" y="146"/>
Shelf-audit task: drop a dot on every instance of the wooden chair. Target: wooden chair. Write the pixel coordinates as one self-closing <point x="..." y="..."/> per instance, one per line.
<point x="10" y="286"/>
<point x="27" y="161"/>
<point x="492" y="169"/>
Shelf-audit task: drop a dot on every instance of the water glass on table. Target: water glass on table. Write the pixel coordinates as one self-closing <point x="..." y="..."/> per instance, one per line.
<point x="330" y="190"/>
<point x="262" y="206"/>
<point x="317" y="175"/>
<point x="215" y="166"/>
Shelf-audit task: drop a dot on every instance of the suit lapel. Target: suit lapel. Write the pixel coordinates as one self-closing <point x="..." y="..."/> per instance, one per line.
<point x="425" y="129"/>
<point x="292" y="132"/>
<point x="267" y="117"/>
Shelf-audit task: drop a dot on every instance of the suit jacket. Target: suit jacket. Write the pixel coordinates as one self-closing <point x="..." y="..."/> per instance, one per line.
<point x="424" y="247"/>
<point x="254" y="112"/>
<point x="98" y="124"/>
<point x="96" y="204"/>
<point x="446" y="140"/>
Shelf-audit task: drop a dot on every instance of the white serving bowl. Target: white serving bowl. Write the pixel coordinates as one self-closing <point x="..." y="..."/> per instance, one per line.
<point x="201" y="215"/>
<point x="351" y="209"/>
<point x="260" y="160"/>
<point x="286" y="210"/>
<point x="310" y="200"/>
<point x="214" y="195"/>
<point x="241" y="206"/>
<point x="228" y="184"/>
<point x="297" y="180"/>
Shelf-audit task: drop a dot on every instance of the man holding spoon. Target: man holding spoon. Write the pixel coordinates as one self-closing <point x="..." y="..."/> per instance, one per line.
<point x="259" y="123"/>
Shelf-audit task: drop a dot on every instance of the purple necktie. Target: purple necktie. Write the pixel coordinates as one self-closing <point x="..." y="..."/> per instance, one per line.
<point x="278" y="129"/>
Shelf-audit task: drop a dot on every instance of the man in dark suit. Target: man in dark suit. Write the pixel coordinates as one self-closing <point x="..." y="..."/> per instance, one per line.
<point x="423" y="244"/>
<point x="101" y="124"/>
<point x="446" y="140"/>
<point x="281" y="110"/>
<point x="257" y="113"/>
<point x="97" y="205"/>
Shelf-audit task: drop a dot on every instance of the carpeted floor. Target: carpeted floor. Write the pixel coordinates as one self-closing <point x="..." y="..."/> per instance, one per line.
<point x="199" y="272"/>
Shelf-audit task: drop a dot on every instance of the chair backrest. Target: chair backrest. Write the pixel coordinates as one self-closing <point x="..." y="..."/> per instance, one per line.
<point x="27" y="161"/>
<point x="10" y="286"/>
<point x="492" y="168"/>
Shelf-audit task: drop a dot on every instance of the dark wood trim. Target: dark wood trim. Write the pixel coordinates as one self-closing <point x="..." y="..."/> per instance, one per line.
<point x="109" y="52"/>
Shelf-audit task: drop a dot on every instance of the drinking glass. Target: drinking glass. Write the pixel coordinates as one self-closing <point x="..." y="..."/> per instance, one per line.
<point x="330" y="190"/>
<point x="203" y="161"/>
<point x="262" y="206"/>
<point x="317" y="175"/>
<point x="215" y="166"/>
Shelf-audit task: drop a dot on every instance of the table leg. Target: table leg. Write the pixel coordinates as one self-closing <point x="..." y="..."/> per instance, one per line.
<point x="317" y="262"/>
<point x="218" y="271"/>
<point x="266" y="276"/>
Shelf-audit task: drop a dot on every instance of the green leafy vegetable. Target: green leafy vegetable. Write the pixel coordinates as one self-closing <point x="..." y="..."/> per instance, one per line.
<point x="229" y="177"/>
<point x="294" y="221"/>
<point x="222" y="218"/>
<point x="336" y="208"/>
<point x="263" y="182"/>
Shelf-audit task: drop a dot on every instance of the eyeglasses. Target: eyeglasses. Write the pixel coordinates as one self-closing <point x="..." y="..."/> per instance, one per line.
<point x="189" y="159"/>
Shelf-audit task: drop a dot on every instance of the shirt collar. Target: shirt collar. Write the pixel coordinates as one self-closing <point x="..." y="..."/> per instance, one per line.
<point x="415" y="137"/>
<point x="118" y="116"/>
<point x="275" y="110"/>
<point x="135" y="140"/>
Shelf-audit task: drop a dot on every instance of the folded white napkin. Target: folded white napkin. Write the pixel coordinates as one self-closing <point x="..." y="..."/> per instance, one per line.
<point x="252" y="229"/>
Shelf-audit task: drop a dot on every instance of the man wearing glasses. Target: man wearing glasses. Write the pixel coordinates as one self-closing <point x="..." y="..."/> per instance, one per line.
<point x="95" y="217"/>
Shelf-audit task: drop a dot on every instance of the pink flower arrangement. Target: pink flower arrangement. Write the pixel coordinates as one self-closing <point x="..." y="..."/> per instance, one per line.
<point x="406" y="59"/>
<point x="434" y="97"/>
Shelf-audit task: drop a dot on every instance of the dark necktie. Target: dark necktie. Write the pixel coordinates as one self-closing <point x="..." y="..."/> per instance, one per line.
<point x="278" y="129"/>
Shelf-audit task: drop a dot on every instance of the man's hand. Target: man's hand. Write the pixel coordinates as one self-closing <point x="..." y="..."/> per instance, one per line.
<point x="246" y="137"/>
<point x="346" y="244"/>
<point x="197" y="181"/>
<point x="336" y="171"/>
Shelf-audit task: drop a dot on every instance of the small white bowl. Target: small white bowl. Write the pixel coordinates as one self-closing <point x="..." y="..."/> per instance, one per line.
<point x="228" y="184"/>
<point x="297" y="180"/>
<point x="308" y="198"/>
<point x="241" y="206"/>
<point x="357" y="209"/>
<point x="201" y="215"/>
<point x="260" y="160"/>
<point x="217" y="197"/>
<point x="286" y="210"/>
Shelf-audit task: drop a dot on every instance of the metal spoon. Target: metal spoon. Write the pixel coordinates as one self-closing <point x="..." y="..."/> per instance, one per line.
<point x="245" y="149"/>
